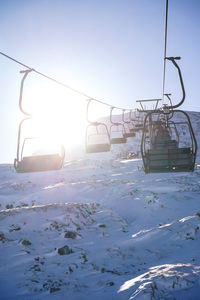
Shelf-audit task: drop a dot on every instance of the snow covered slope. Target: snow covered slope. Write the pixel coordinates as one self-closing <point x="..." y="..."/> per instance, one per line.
<point x="100" y="229"/>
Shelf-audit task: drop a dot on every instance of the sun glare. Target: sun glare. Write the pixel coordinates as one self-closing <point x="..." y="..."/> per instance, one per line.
<point x="63" y="124"/>
<point x="59" y="117"/>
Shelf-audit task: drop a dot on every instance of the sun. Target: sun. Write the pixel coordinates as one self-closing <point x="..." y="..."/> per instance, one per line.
<point x="63" y="124"/>
<point x="58" y="118"/>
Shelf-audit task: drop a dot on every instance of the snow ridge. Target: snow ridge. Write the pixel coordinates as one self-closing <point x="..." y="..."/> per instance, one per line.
<point x="100" y="228"/>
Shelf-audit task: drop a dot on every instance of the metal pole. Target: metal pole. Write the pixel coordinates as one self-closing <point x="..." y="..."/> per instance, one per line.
<point x="165" y="49"/>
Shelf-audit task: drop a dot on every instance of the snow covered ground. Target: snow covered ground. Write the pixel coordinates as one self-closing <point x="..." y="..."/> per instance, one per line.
<point x="100" y="229"/>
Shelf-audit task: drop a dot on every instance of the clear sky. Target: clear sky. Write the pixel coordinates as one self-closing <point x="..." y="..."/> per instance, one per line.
<point x="109" y="49"/>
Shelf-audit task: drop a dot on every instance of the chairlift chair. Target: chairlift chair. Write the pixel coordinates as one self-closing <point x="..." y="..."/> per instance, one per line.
<point x="132" y="126"/>
<point x="34" y="163"/>
<point x="117" y="131"/>
<point x="139" y="123"/>
<point x="164" y="148"/>
<point x="97" y="137"/>
<point x="129" y="132"/>
<point x="117" y="134"/>
<point x="163" y="151"/>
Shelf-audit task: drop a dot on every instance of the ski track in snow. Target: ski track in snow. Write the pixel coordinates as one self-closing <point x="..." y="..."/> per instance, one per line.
<point x="100" y="228"/>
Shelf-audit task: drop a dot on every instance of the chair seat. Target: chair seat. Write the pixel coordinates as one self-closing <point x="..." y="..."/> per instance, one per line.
<point x="121" y="140"/>
<point x="170" y="163"/>
<point x="95" y="148"/>
<point x="166" y="169"/>
<point x="133" y="129"/>
<point x="40" y="163"/>
<point x="171" y="151"/>
<point x="169" y="160"/>
<point x="139" y="125"/>
<point x="129" y="134"/>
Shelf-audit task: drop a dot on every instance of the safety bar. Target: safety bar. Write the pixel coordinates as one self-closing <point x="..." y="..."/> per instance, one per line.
<point x="148" y="100"/>
<point x="87" y="114"/>
<point x="92" y="123"/>
<point x="130" y="115"/>
<point x="123" y="118"/>
<point x="18" y="140"/>
<point x="191" y="132"/>
<point x="29" y="138"/>
<point x="17" y="159"/>
<point x="111" y="119"/>
<point x="115" y="123"/>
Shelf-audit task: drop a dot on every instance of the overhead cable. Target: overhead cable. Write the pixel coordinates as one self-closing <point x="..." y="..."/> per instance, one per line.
<point x="165" y="49"/>
<point x="60" y="83"/>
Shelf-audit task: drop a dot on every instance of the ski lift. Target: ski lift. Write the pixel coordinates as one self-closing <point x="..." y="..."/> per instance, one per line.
<point x="35" y="162"/>
<point x="139" y="120"/>
<point x="97" y="137"/>
<point x="168" y="141"/>
<point x="132" y="118"/>
<point x="129" y="128"/>
<point x="117" y="131"/>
